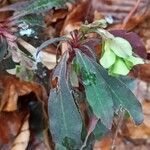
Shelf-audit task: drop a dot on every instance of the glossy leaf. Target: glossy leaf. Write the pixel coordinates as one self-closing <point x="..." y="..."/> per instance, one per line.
<point x="65" y="120"/>
<point x="97" y="93"/>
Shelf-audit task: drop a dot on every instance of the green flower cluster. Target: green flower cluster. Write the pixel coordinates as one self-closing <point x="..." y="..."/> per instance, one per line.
<point x="117" y="56"/>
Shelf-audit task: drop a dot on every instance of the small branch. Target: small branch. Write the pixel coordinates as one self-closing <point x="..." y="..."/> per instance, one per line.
<point x="128" y="17"/>
<point x="49" y="60"/>
<point x="26" y="45"/>
<point x="47" y="57"/>
<point x="120" y="120"/>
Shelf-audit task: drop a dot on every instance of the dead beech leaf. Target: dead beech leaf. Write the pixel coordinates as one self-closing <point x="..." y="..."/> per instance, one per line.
<point x="21" y="141"/>
<point x="118" y="10"/>
<point x="55" y="16"/>
<point x="75" y="17"/>
<point x="4" y="15"/>
<point x="104" y="144"/>
<point x="13" y="87"/>
<point x="10" y="124"/>
<point x="142" y="131"/>
<point x="144" y="72"/>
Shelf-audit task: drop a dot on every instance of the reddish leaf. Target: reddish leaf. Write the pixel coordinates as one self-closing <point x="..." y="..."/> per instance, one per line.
<point x="134" y="40"/>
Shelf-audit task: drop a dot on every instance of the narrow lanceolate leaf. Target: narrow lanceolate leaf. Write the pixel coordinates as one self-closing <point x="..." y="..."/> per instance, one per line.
<point x="65" y="121"/>
<point x="97" y="92"/>
<point x="122" y="96"/>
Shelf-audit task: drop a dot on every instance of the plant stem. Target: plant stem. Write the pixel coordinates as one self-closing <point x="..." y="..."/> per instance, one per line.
<point x="120" y="120"/>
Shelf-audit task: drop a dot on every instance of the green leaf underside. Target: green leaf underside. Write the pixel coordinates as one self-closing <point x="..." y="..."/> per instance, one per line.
<point x="65" y="120"/>
<point x="120" y="93"/>
<point x="120" y="47"/>
<point x="96" y="90"/>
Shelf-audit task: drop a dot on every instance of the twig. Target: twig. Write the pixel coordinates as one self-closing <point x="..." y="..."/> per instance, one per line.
<point x="120" y="120"/>
<point x="45" y="56"/>
<point x="48" y="60"/>
<point x="128" y="17"/>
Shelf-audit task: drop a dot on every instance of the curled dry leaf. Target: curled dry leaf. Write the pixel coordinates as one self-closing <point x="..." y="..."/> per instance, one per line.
<point x="14" y="87"/>
<point x="10" y="124"/>
<point x="22" y="139"/>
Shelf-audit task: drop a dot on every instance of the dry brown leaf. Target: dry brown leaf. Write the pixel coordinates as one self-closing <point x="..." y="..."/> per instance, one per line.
<point x="4" y="15"/>
<point x="13" y="87"/>
<point x="55" y="16"/>
<point x="104" y="144"/>
<point x="10" y="124"/>
<point x="97" y="9"/>
<point x="118" y="10"/>
<point x="142" y="131"/>
<point x="144" y="72"/>
<point x="75" y="17"/>
<point x="22" y="139"/>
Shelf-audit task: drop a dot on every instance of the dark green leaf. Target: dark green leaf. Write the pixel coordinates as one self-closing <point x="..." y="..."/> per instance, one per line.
<point x="98" y="85"/>
<point x="59" y="147"/>
<point x="97" y="92"/>
<point x="65" y="120"/>
<point x="43" y="5"/>
<point x="3" y="47"/>
<point x="100" y="131"/>
<point x="123" y="96"/>
<point x="33" y="20"/>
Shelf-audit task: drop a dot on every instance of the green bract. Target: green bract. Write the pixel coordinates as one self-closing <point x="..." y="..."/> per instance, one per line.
<point x="117" y="56"/>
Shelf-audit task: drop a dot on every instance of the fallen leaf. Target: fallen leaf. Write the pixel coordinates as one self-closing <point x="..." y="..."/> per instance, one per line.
<point x="10" y="125"/>
<point x="13" y="88"/>
<point x="22" y="139"/>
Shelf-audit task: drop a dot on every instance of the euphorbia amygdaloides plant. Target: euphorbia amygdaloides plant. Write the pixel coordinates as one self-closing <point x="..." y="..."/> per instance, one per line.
<point x="98" y="78"/>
